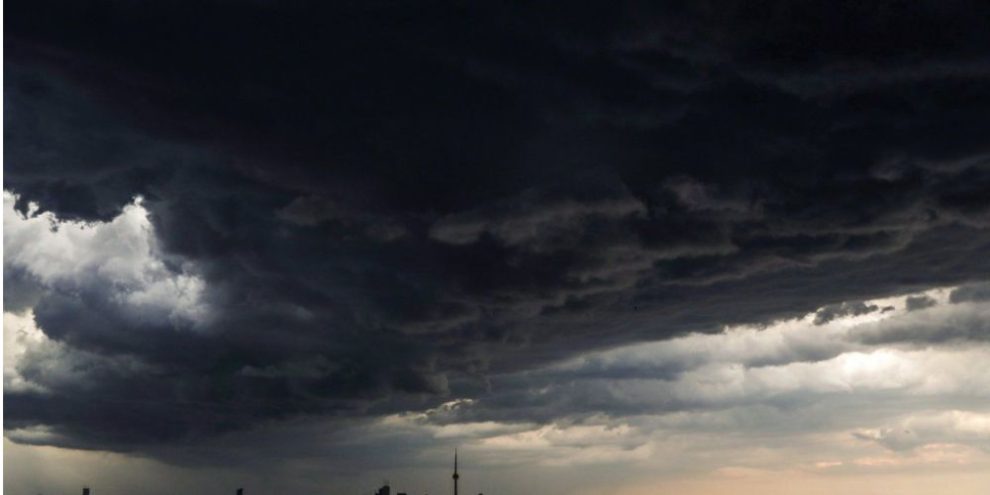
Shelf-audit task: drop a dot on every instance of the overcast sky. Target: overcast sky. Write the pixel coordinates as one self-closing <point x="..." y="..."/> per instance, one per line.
<point x="624" y="248"/>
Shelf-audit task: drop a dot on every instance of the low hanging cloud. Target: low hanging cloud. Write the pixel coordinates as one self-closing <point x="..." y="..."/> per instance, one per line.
<point x="788" y="386"/>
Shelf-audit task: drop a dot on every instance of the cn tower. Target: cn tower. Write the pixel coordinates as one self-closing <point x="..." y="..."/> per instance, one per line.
<point x="456" y="476"/>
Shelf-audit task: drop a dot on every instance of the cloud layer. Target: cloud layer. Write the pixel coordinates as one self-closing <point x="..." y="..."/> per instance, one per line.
<point x="356" y="211"/>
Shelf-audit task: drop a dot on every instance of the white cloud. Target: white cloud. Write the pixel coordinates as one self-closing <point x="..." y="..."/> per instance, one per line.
<point x="121" y="256"/>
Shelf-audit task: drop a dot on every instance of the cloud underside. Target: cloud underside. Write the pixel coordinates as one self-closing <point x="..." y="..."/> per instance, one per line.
<point x="794" y="397"/>
<point x="345" y="215"/>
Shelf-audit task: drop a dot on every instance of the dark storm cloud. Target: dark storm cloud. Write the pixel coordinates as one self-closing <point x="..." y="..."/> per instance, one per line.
<point x="382" y="197"/>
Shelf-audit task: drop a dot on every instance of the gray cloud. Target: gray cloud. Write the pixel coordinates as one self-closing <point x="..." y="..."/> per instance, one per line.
<point x="970" y="293"/>
<point x="965" y="324"/>
<point x="915" y="303"/>
<point x="832" y="312"/>
<point x="921" y="429"/>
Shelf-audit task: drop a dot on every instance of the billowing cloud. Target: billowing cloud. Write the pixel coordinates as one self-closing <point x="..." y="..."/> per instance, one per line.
<point x="119" y="260"/>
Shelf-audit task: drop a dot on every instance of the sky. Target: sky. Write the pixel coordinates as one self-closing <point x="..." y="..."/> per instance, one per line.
<point x="599" y="248"/>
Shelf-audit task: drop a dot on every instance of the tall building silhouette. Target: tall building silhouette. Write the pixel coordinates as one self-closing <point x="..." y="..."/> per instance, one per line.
<point x="456" y="476"/>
